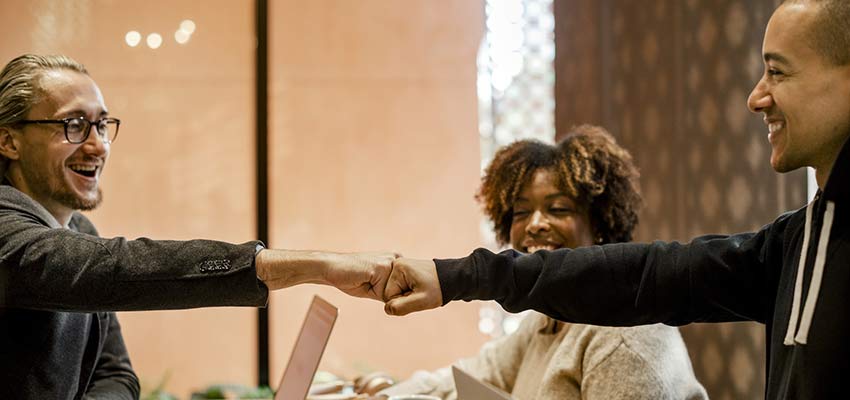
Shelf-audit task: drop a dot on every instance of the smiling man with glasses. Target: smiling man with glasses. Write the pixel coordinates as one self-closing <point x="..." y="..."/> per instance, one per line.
<point x="60" y="283"/>
<point x="53" y="157"/>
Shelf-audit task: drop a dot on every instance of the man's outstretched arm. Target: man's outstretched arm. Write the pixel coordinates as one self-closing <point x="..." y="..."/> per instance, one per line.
<point x="713" y="278"/>
<point x="357" y="274"/>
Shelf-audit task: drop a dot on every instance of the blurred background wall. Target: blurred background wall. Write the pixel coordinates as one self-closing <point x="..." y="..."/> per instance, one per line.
<point x="374" y="146"/>
<point x="670" y="79"/>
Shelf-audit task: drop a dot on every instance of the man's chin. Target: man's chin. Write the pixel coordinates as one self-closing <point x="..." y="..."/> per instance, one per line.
<point x="87" y="202"/>
<point x="89" y="205"/>
<point x="782" y="165"/>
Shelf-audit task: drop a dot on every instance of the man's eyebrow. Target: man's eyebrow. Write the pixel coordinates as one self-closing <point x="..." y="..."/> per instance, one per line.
<point x="80" y="113"/>
<point x="71" y="114"/>
<point x="776" y="57"/>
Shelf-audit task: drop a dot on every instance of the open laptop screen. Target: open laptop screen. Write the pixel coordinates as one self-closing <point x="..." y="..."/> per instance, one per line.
<point x="307" y="351"/>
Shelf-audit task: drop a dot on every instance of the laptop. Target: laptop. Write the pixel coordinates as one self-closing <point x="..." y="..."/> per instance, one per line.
<point x="470" y="388"/>
<point x="308" y="350"/>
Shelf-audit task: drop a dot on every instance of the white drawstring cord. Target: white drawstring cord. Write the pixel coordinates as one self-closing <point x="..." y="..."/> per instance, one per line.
<point x="798" y="284"/>
<point x="817" y="275"/>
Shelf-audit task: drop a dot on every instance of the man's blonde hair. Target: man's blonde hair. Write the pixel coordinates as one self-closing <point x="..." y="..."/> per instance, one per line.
<point x="19" y="89"/>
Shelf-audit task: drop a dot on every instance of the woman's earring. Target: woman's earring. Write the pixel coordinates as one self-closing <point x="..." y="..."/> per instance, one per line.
<point x="599" y="240"/>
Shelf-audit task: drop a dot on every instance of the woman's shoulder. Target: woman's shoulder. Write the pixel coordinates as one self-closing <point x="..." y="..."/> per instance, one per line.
<point x="641" y="339"/>
<point x="648" y="342"/>
<point x="628" y="333"/>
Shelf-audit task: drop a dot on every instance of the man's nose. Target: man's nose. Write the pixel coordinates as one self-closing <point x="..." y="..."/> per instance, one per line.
<point x="94" y="141"/>
<point x="760" y="98"/>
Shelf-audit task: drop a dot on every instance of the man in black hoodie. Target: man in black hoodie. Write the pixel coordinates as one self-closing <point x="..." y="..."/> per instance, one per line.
<point x="793" y="275"/>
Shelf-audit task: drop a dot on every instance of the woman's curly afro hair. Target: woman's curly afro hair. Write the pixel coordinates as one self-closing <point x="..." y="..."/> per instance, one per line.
<point x="590" y="167"/>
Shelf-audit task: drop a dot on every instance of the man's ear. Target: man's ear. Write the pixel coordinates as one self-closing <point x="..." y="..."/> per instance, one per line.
<point x="8" y="143"/>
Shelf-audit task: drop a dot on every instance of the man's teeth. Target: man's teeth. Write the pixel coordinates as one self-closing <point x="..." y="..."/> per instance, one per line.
<point x="532" y="249"/>
<point x="86" y="170"/>
<point x="775" y="126"/>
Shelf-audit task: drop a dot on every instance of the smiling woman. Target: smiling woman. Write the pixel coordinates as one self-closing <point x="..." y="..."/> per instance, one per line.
<point x="585" y="180"/>
<point x="580" y="192"/>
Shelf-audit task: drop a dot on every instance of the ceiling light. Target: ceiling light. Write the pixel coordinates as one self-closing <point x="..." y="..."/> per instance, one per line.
<point x="154" y="40"/>
<point x="133" y="38"/>
<point x="188" y="26"/>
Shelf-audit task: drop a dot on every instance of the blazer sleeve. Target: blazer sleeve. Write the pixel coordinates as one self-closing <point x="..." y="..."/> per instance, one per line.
<point x="43" y="267"/>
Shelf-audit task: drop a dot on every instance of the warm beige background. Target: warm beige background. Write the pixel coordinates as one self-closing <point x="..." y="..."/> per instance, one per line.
<point x="182" y="165"/>
<point x="374" y="146"/>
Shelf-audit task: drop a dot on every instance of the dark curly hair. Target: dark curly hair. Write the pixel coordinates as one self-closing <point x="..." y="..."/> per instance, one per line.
<point x="590" y="167"/>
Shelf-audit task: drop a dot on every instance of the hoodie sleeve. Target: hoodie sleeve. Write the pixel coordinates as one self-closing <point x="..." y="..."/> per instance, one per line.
<point x="711" y="279"/>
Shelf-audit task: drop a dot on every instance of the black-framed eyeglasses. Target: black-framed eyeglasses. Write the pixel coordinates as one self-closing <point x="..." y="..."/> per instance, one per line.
<point x="77" y="129"/>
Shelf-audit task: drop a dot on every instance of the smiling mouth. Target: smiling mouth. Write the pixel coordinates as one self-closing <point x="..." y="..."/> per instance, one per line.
<point x="536" y="248"/>
<point x="774" y="127"/>
<point x="88" y="171"/>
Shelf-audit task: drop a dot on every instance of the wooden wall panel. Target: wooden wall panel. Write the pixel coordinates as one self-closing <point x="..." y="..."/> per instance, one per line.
<point x="672" y="79"/>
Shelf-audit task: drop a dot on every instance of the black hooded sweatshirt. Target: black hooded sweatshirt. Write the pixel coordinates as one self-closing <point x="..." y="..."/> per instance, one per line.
<point x="793" y="275"/>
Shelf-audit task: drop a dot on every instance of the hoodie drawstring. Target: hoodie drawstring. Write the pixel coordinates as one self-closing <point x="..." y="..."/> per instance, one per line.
<point x="798" y="283"/>
<point x="817" y="276"/>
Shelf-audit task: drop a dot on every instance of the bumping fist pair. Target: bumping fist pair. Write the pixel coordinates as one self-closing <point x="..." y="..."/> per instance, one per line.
<point x="406" y="285"/>
<point x="413" y="285"/>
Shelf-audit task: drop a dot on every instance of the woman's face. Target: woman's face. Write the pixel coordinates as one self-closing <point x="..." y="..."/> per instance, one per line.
<point x="545" y="218"/>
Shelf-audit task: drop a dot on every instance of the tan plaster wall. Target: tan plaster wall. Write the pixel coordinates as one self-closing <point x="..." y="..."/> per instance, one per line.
<point x="375" y="147"/>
